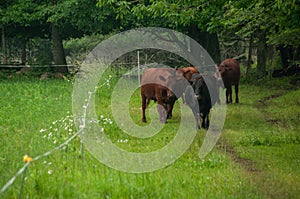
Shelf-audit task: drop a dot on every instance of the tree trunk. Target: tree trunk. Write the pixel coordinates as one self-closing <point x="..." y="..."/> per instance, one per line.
<point x="23" y="49"/>
<point x="288" y="55"/>
<point x="4" y="55"/>
<point x="58" y="50"/>
<point x="261" y="55"/>
<point x="249" y="61"/>
<point x="284" y="55"/>
<point x="209" y="41"/>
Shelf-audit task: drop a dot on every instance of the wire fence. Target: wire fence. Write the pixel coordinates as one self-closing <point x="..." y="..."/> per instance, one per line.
<point x="28" y="160"/>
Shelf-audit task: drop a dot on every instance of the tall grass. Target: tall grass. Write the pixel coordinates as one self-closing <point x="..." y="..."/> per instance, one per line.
<point x="36" y="116"/>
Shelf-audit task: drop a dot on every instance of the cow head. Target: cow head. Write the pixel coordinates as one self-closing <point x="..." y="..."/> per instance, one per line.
<point x="220" y="71"/>
<point x="222" y="68"/>
<point x="198" y="84"/>
<point x="188" y="71"/>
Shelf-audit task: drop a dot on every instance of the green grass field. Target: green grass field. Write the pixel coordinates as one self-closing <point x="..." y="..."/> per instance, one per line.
<point x="257" y="156"/>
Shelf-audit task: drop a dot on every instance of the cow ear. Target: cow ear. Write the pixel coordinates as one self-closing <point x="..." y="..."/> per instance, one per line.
<point x="162" y="78"/>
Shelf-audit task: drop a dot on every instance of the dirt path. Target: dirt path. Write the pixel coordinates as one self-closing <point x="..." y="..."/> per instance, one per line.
<point x="259" y="176"/>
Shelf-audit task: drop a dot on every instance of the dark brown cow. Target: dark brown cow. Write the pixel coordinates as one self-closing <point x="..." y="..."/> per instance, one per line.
<point x="164" y="85"/>
<point x="230" y="73"/>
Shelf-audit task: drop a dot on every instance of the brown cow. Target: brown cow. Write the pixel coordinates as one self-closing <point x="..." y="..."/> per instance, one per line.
<point x="230" y="73"/>
<point x="164" y="85"/>
<point x="188" y="72"/>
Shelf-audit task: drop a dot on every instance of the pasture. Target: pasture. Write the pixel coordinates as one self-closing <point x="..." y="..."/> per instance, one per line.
<point x="257" y="155"/>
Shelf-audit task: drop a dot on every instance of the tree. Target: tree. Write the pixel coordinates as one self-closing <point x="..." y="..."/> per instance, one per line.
<point x="195" y="18"/>
<point x="17" y="15"/>
<point x="268" y="23"/>
<point x="54" y="19"/>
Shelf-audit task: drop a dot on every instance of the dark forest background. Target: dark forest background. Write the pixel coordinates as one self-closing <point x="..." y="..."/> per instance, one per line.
<point x="264" y="36"/>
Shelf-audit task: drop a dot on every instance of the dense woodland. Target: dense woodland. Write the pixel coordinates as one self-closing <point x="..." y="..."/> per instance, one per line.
<point x="263" y="35"/>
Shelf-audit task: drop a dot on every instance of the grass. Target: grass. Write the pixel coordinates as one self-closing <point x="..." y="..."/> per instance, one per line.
<point x="264" y="130"/>
<point x="257" y="156"/>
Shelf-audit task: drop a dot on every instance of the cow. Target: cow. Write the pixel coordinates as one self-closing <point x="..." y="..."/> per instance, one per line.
<point x="164" y="86"/>
<point x="188" y="71"/>
<point x="229" y="70"/>
<point x="206" y="93"/>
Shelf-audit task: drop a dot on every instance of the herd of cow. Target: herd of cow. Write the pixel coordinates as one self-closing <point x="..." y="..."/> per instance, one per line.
<point x="199" y="90"/>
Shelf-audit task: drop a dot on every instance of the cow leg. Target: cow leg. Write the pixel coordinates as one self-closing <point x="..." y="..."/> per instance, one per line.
<point x="147" y="102"/>
<point x="228" y="95"/>
<point x="197" y="118"/>
<point x="144" y="105"/>
<point x="203" y="116"/>
<point x="237" y="93"/>
<point x="161" y="111"/>
<point x="207" y="120"/>
<point x="169" y="110"/>
<point x="203" y="122"/>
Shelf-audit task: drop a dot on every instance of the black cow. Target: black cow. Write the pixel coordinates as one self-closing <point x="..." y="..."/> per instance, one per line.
<point x="206" y="93"/>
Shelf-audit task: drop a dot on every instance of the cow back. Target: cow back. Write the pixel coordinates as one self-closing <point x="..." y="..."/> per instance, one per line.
<point x="162" y="80"/>
<point x="230" y="72"/>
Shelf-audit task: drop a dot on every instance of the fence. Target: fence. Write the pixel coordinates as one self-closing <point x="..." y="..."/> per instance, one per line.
<point x="28" y="160"/>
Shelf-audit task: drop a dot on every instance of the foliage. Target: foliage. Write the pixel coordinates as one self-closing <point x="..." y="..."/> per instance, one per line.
<point x="279" y="19"/>
<point x="19" y="12"/>
<point x="81" y="15"/>
<point x="171" y="14"/>
<point x="41" y="52"/>
<point x="76" y="49"/>
<point x="230" y="19"/>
